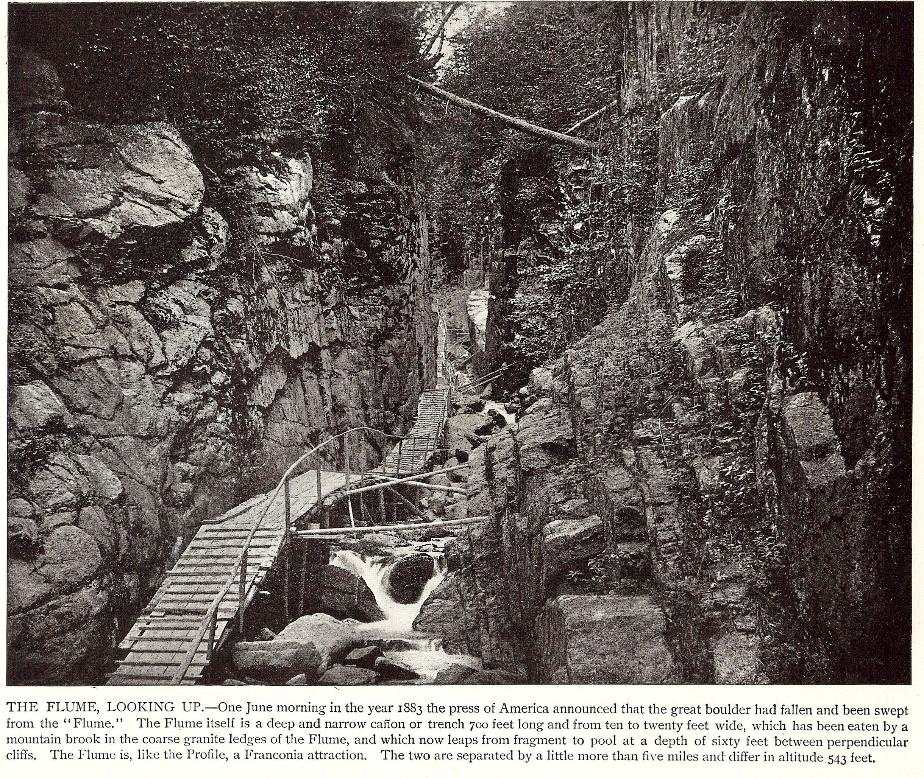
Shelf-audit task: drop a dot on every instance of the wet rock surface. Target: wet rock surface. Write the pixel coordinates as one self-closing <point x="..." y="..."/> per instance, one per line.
<point x="345" y="595"/>
<point x="332" y="638"/>
<point x="277" y="660"/>
<point x="406" y="578"/>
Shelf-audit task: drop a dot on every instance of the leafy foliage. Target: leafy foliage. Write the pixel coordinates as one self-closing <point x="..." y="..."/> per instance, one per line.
<point x="548" y="63"/>
<point x="237" y="78"/>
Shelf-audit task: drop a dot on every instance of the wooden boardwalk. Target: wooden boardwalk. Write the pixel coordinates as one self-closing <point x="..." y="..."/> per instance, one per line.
<point x="169" y="629"/>
<point x="414" y="453"/>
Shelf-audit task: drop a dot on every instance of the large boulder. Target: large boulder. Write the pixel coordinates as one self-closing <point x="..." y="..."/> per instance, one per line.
<point x="364" y="657"/>
<point x="407" y="577"/>
<point x="393" y="670"/>
<point x="346" y="595"/>
<point x="276" y="660"/>
<point x="603" y="639"/>
<point x="568" y="542"/>
<point x="347" y="675"/>
<point x="461" y="431"/>
<point x="449" y="614"/>
<point x="332" y="638"/>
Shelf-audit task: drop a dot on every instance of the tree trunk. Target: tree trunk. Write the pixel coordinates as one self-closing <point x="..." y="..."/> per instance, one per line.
<point x="510" y="121"/>
<point x="594" y="115"/>
<point x="440" y="27"/>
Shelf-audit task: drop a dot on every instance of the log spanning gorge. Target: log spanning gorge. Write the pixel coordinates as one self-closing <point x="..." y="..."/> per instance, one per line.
<point x="434" y="344"/>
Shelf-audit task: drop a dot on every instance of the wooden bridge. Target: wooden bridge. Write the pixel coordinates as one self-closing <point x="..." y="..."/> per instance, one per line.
<point x="204" y="597"/>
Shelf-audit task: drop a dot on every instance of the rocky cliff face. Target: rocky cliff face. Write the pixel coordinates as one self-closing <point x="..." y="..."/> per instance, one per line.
<point x="158" y="372"/>
<point x="711" y="485"/>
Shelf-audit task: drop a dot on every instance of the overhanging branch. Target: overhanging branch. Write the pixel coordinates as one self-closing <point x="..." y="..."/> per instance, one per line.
<point x="440" y="27"/>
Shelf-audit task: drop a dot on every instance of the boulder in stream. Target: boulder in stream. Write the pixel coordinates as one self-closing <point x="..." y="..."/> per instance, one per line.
<point x="407" y="577"/>
<point x="345" y="675"/>
<point x="393" y="670"/>
<point x="276" y="660"/>
<point x="332" y="638"/>
<point x="364" y="657"/>
<point x="346" y="595"/>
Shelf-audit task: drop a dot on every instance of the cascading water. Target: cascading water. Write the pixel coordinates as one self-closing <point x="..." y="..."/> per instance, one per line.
<point x="491" y="405"/>
<point x="420" y="652"/>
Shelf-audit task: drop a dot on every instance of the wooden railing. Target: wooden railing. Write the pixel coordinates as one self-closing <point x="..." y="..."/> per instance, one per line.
<point x="238" y="574"/>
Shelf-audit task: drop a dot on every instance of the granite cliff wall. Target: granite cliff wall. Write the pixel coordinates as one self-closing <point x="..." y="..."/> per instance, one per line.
<point x="165" y="365"/>
<point x="712" y="484"/>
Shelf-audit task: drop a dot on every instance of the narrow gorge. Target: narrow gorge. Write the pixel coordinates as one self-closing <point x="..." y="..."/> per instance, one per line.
<point x="669" y="323"/>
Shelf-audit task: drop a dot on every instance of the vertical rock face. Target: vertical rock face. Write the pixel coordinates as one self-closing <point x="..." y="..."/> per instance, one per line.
<point x="805" y="216"/>
<point x="738" y="424"/>
<point x="156" y="377"/>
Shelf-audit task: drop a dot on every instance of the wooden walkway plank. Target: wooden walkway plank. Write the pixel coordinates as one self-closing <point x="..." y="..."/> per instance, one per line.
<point x="164" y="635"/>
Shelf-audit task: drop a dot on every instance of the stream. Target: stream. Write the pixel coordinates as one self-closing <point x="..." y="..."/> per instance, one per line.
<point x="420" y="652"/>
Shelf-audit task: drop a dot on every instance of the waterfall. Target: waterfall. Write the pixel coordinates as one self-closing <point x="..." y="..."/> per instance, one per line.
<point x="421" y="652"/>
<point x="399" y="617"/>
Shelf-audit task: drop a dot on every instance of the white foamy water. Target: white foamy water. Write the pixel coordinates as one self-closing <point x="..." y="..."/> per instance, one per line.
<point x="420" y="652"/>
<point x="428" y="663"/>
<point x="399" y="617"/>
<point x="499" y="407"/>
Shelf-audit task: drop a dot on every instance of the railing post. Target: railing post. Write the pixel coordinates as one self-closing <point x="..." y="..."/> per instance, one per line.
<point x="317" y="464"/>
<point x="400" y="451"/>
<point x="242" y="593"/>
<point x="213" y="625"/>
<point x="382" y="506"/>
<point x="346" y="458"/>
<point x="301" y="586"/>
<point x="346" y="462"/>
<point x="286" y="550"/>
